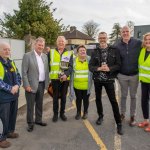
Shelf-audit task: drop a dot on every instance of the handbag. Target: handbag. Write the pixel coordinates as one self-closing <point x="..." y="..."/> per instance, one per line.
<point x="50" y="90"/>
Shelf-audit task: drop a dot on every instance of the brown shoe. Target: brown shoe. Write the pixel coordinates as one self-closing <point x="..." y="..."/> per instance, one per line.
<point x="13" y="135"/>
<point x="5" y="144"/>
<point x="132" y="121"/>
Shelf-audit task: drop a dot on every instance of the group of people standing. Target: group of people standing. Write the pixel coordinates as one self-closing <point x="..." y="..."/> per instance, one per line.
<point x="128" y="60"/>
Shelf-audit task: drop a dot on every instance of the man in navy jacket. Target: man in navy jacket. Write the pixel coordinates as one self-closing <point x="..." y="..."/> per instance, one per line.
<point x="10" y="82"/>
<point x="129" y="49"/>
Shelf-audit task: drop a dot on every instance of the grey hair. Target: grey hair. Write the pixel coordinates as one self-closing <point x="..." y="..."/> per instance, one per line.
<point x="125" y="27"/>
<point x="61" y="37"/>
<point x="40" y="39"/>
<point x="2" y="44"/>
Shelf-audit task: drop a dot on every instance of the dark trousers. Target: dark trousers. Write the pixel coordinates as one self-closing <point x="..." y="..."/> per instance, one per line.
<point x="110" y="90"/>
<point x="82" y="95"/>
<point x="8" y="115"/>
<point x="145" y="87"/>
<point x="37" y="100"/>
<point x="59" y="91"/>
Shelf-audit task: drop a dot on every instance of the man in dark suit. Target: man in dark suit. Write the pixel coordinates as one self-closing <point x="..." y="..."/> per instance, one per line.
<point x="35" y="79"/>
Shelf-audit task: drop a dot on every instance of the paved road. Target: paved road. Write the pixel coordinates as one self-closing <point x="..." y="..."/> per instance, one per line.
<point x="80" y="135"/>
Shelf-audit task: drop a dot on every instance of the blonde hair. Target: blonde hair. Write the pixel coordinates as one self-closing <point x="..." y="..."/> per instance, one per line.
<point x="144" y="38"/>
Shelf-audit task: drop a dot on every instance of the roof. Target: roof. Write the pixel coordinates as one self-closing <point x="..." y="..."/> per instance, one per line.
<point x="75" y="34"/>
<point x="142" y="26"/>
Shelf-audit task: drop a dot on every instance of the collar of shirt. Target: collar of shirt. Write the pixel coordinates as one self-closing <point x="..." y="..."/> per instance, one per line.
<point x="36" y="54"/>
<point x="4" y="61"/>
<point x="63" y="50"/>
<point x="82" y="61"/>
<point x="40" y="66"/>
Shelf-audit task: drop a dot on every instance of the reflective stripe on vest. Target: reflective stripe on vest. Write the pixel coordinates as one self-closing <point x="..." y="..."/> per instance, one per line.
<point x="55" y="63"/>
<point x="2" y="71"/>
<point x="144" y="67"/>
<point x="80" y="74"/>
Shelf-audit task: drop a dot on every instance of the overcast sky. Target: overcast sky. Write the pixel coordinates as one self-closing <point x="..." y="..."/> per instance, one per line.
<point x="103" y="12"/>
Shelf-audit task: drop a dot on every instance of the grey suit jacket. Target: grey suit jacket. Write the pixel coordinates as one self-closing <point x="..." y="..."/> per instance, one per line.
<point x="30" y="71"/>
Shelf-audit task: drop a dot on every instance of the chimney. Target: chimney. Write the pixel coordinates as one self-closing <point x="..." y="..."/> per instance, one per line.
<point x="72" y="28"/>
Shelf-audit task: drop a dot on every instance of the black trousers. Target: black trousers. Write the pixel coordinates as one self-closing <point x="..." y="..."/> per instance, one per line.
<point x="82" y="95"/>
<point x="8" y="115"/>
<point x="110" y="90"/>
<point x="59" y="91"/>
<point x="145" y="87"/>
<point x="35" y="99"/>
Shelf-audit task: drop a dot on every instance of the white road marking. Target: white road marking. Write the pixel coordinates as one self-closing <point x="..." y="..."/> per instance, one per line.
<point x="117" y="138"/>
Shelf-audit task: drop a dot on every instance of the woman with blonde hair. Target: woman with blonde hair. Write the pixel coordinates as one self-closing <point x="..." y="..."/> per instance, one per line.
<point x="144" y="77"/>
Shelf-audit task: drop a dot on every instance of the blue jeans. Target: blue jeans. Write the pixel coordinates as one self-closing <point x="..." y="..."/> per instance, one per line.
<point x="8" y="115"/>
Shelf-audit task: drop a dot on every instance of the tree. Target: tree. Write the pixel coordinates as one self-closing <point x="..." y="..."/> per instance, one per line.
<point x="130" y="24"/>
<point x="90" y="28"/>
<point x="116" y="34"/>
<point x="35" y="18"/>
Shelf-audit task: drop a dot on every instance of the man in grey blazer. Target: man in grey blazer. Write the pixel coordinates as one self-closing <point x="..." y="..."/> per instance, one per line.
<point x="35" y="75"/>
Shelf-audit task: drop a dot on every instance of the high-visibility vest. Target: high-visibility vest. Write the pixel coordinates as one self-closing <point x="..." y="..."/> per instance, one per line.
<point x="80" y="74"/>
<point x="144" y="67"/>
<point x="2" y="71"/>
<point x="55" y="59"/>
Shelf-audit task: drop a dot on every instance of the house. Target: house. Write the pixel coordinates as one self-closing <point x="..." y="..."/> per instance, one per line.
<point x="75" y="37"/>
<point x="139" y="31"/>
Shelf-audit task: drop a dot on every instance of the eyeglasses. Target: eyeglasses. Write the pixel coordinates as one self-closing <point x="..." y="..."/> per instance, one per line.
<point x="6" y="49"/>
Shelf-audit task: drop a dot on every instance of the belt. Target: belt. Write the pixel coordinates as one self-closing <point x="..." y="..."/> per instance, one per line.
<point x="132" y="74"/>
<point x="41" y="82"/>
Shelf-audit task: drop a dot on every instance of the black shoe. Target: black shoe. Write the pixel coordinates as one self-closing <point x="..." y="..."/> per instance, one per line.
<point x="99" y="121"/>
<point x="30" y="128"/>
<point x="85" y="115"/>
<point x="63" y="117"/>
<point x="55" y="118"/>
<point x="119" y="129"/>
<point x="78" y="116"/>
<point x="41" y="123"/>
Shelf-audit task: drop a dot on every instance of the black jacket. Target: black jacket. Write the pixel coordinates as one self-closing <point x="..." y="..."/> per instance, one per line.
<point x="113" y="62"/>
<point x="129" y="54"/>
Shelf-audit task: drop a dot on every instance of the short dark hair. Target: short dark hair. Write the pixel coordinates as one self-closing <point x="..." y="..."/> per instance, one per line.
<point x="102" y="33"/>
<point x="80" y="46"/>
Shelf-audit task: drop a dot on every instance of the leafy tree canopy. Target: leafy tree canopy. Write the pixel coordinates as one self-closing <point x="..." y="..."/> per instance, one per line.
<point x="34" y="17"/>
<point x="115" y="35"/>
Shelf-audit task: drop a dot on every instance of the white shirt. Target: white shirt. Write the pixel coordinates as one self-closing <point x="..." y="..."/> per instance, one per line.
<point x="40" y="66"/>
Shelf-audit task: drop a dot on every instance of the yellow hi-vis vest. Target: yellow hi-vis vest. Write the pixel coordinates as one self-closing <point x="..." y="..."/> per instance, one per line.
<point x="2" y="71"/>
<point x="144" y="67"/>
<point x="55" y="60"/>
<point x="80" y="74"/>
